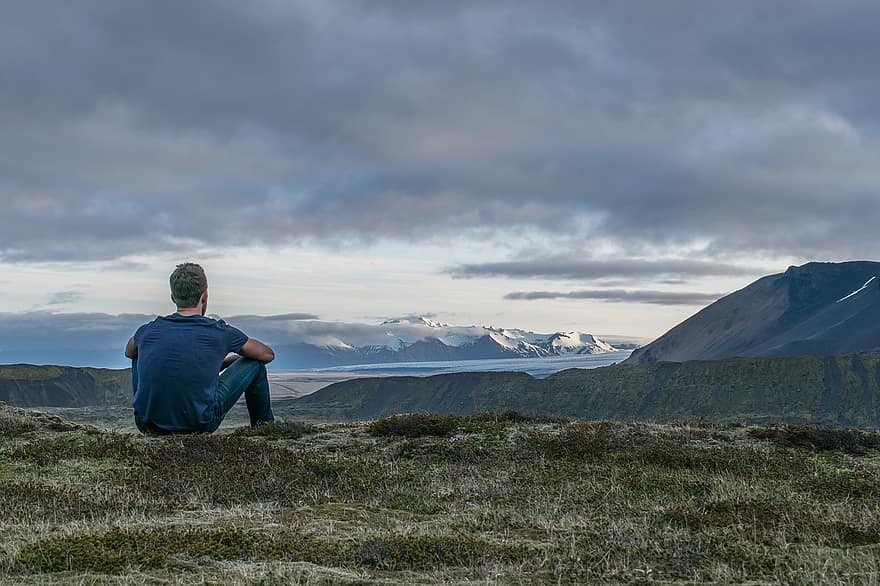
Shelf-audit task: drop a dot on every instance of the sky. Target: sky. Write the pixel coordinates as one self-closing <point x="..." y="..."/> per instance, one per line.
<point x="607" y="167"/>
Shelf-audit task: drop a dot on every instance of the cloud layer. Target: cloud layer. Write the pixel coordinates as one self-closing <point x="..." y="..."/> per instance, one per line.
<point x="97" y="339"/>
<point x="570" y="267"/>
<point x="623" y="296"/>
<point x="751" y="127"/>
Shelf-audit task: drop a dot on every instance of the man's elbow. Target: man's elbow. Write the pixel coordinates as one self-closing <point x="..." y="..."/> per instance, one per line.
<point x="270" y="356"/>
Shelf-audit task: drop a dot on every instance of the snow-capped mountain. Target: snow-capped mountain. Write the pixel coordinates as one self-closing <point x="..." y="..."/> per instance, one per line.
<point x="309" y="344"/>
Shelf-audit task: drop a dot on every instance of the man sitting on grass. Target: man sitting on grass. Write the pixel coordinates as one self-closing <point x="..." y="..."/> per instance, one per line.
<point x="176" y="361"/>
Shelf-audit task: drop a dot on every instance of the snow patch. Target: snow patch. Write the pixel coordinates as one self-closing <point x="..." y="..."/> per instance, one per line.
<point x="857" y="291"/>
<point x="399" y="333"/>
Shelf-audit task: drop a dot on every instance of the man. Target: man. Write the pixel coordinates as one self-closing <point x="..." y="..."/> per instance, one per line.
<point x="176" y="361"/>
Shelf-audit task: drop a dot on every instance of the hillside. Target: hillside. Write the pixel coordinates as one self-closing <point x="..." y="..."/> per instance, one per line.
<point x="819" y="308"/>
<point x="834" y="390"/>
<point x="493" y="499"/>
<point x="26" y="385"/>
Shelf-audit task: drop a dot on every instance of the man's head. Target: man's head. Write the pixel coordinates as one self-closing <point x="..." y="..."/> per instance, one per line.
<point x="189" y="286"/>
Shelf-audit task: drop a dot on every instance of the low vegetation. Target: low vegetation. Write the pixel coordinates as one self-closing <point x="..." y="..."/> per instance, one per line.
<point x="817" y="438"/>
<point x="432" y="424"/>
<point x="489" y="498"/>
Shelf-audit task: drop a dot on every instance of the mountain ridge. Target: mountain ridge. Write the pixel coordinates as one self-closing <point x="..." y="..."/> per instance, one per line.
<point x="836" y="390"/>
<point x="420" y="339"/>
<point x="27" y="385"/>
<point x="817" y="308"/>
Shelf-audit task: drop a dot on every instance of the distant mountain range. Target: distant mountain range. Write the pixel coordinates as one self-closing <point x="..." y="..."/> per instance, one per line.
<point x="420" y="339"/>
<point x="299" y="340"/>
<point x="823" y="309"/>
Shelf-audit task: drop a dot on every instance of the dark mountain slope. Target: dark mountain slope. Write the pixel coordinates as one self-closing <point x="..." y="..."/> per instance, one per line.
<point x="818" y="308"/>
<point x="842" y="390"/>
<point x="25" y="385"/>
<point x="464" y="392"/>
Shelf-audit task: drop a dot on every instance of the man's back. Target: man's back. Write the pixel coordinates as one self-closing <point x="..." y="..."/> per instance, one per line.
<point x="179" y="358"/>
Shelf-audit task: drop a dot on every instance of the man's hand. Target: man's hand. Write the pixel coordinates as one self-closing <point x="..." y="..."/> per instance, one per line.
<point x="229" y="360"/>
<point x="257" y="350"/>
<point x="131" y="350"/>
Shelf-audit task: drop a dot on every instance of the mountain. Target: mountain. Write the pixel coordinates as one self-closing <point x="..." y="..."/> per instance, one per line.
<point x="300" y="340"/>
<point x="25" y="385"/>
<point x="419" y="339"/>
<point x="818" y="308"/>
<point x="839" y="390"/>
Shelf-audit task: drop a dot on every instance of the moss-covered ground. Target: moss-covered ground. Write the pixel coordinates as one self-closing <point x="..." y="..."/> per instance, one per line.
<point x="486" y="499"/>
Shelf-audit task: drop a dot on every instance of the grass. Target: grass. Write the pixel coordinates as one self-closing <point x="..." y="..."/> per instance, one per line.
<point x="820" y="438"/>
<point x="489" y="498"/>
<point x="277" y="430"/>
<point x="413" y="425"/>
<point x="29" y="372"/>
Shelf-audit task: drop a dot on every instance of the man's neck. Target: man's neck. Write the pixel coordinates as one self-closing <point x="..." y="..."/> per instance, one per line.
<point x="189" y="311"/>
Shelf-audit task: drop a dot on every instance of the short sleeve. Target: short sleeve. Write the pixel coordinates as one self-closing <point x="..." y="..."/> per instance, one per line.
<point x="235" y="338"/>
<point x="138" y="335"/>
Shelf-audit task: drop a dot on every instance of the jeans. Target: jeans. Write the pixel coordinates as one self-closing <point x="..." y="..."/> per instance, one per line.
<point x="244" y="376"/>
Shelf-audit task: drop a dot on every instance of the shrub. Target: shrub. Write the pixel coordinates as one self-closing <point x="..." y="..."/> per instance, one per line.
<point x="424" y="552"/>
<point x="419" y="425"/>
<point x="119" y="549"/>
<point x="413" y="425"/>
<point x="513" y="416"/>
<point x="277" y="430"/>
<point x="583" y="439"/>
<point x="820" y="439"/>
<point x="12" y="425"/>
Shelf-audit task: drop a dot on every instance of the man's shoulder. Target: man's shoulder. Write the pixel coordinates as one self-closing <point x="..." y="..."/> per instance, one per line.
<point x="146" y="325"/>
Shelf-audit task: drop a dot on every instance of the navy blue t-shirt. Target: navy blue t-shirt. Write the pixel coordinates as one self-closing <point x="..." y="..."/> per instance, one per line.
<point x="178" y="366"/>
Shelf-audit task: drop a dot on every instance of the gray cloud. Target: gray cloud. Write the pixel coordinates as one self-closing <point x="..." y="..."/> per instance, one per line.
<point x="124" y="265"/>
<point x="64" y="297"/>
<point x="164" y="125"/>
<point x="282" y="317"/>
<point x="623" y="296"/>
<point x="569" y="267"/>
<point x="98" y="339"/>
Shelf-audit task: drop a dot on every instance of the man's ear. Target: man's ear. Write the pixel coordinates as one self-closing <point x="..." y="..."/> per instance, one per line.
<point x="204" y="298"/>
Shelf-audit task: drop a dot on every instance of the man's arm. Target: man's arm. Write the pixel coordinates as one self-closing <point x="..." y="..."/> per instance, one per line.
<point x="131" y="350"/>
<point x="257" y="350"/>
<point x="227" y="362"/>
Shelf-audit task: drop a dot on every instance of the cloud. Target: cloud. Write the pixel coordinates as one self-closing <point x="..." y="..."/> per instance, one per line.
<point x="568" y="267"/>
<point x="370" y="120"/>
<point x="283" y="317"/>
<point x="64" y="297"/>
<point x="124" y="265"/>
<point x="98" y="339"/>
<point x="623" y="296"/>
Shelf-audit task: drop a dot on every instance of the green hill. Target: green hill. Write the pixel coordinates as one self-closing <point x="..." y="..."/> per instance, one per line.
<point x="490" y="499"/>
<point x="26" y="385"/>
<point x="843" y="390"/>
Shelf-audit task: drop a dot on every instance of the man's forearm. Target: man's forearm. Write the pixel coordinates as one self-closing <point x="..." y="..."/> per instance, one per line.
<point x="229" y="360"/>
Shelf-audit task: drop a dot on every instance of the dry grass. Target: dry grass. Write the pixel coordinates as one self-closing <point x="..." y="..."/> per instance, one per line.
<point x="487" y="499"/>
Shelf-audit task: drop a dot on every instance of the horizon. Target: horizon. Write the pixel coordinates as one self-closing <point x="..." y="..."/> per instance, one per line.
<point x="581" y="168"/>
